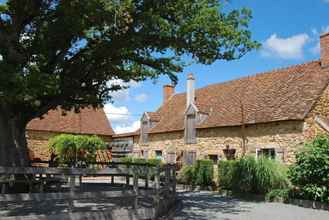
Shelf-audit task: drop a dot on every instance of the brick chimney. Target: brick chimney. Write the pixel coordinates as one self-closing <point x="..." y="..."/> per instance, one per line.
<point x="324" y="45"/>
<point x="190" y="90"/>
<point x="168" y="92"/>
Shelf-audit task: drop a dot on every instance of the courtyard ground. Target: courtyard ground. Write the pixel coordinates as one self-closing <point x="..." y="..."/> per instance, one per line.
<point x="211" y="206"/>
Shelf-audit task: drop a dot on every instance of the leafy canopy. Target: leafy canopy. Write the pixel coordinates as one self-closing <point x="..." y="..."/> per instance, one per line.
<point x="56" y="52"/>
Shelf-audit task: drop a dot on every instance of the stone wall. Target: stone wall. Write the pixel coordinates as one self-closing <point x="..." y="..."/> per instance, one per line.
<point x="320" y="108"/>
<point x="37" y="142"/>
<point x="286" y="137"/>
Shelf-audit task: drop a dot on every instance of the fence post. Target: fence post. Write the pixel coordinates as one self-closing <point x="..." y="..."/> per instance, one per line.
<point x="157" y="190"/>
<point x="147" y="177"/>
<point x="173" y="169"/>
<point x="112" y="180"/>
<point x="135" y="175"/>
<point x="128" y="176"/>
<point x="72" y="184"/>
<point x="167" y="178"/>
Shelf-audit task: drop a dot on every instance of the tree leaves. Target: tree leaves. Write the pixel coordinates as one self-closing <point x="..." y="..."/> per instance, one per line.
<point x="50" y="48"/>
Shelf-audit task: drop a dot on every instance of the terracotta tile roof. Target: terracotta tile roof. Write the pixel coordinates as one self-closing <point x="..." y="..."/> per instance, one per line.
<point x="283" y="94"/>
<point x="154" y="116"/>
<point x="88" y="121"/>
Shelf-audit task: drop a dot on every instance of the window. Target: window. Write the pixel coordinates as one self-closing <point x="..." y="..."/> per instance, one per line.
<point x="190" y="130"/>
<point x="190" y="157"/>
<point x="158" y="154"/>
<point x="171" y="157"/>
<point x="213" y="157"/>
<point x="266" y="152"/>
<point x="145" y="154"/>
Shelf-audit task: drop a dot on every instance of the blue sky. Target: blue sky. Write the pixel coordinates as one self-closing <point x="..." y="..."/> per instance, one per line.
<point x="289" y="31"/>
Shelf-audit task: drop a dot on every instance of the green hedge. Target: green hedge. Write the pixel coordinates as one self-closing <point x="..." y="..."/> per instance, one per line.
<point x="199" y="174"/>
<point x="75" y="150"/>
<point x="225" y="173"/>
<point x="310" y="174"/>
<point x="152" y="162"/>
<point x="249" y="175"/>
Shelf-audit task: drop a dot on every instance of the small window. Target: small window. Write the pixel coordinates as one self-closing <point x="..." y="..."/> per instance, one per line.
<point x="190" y="130"/>
<point x="171" y="157"/>
<point x="190" y="157"/>
<point x="213" y="157"/>
<point x="158" y="154"/>
<point x="145" y="154"/>
<point x="266" y="152"/>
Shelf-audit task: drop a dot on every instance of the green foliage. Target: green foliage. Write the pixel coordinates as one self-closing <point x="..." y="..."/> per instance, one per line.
<point x="225" y="173"/>
<point x="186" y="175"/>
<point x="65" y="52"/>
<point x="310" y="174"/>
<point x="199" y="174"/>
<point x="277" y="195"/>
<point x="151" y="162"/>
<point x="204" y="172"/>
<point x="78" y="150"/>
<point x="258" y="176"/>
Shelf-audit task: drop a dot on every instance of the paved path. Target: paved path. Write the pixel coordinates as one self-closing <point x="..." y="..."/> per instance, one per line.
<point x="207" y="205"/>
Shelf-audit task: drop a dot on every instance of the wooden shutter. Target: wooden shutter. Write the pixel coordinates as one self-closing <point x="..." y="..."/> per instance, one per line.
<point x="190" y="130"/>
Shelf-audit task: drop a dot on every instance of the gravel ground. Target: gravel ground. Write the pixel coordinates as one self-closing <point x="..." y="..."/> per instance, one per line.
<point x="207" y="205"/>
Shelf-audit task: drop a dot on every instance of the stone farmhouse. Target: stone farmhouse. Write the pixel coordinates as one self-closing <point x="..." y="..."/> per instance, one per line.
<point x="87" y="122"/>
<point x="272" y="113"/>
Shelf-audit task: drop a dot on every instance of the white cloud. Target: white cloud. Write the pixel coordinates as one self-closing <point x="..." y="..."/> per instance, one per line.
<point x="127" y="128"/>
<point x="286" y="48"/>
<point x="316" y="49"/>
<point x="141" y="97"/>
<point x="123" y="94"/>
<point x="116" y="114"/>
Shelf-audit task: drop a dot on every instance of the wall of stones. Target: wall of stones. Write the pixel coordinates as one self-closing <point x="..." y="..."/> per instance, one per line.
<point x="38" y="141"/>
<point x="286" y="137"/>
<point x="321" y="108"/>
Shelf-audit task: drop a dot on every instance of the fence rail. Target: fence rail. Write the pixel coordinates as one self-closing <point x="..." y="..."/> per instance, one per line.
<point x="162" y="192"/>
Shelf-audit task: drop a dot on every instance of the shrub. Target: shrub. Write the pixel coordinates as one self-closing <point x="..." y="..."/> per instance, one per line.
<point x="277" y="195"/>
<point x="204" y="173"/>
<point x="76" y="150"/>
<point x="225" y="173"/>
<point x="310" y="174"/>
<point x="151" y="162"/>
<point x="186" y="175"/>
<point x="201" y="174"/>
<point x="258" y="176"/>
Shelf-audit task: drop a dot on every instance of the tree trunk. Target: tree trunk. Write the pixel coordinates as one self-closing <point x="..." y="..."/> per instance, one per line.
<point x="13" y="146"/>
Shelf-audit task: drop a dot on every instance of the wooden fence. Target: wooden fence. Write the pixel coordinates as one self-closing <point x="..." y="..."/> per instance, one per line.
<point x="162" y="191"/>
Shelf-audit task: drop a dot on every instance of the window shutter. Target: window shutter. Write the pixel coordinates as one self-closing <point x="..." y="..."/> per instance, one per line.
<point x="190" y="129"/>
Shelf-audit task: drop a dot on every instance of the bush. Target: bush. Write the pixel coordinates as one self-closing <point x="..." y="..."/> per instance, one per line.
<point x="310" y="174"/>
<point x="258" y="176"/>
<point x="151" y="162"/>
<point x="200" y="174"/>
<point x="277" y="195"/>
<point x="204" y="173"/>
<point x="186" y="175"/>
<point x="225" y="173"/>
<point x="76" y="150"/>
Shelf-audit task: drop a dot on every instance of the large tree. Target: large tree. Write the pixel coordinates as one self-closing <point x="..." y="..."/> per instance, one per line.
<point x="63" y="52"/>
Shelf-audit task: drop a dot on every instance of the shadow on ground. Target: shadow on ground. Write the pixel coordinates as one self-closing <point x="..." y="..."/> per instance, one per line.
<point x="201" y="206"/>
